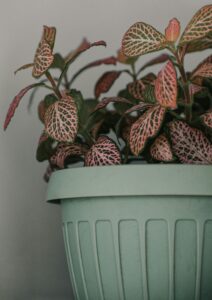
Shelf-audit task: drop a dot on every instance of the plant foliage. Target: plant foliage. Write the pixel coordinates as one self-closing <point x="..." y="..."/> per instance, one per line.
<point x="163" y="118"/>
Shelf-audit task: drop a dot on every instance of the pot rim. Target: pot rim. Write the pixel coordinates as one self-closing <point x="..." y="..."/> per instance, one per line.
<point x="149" y="180"/>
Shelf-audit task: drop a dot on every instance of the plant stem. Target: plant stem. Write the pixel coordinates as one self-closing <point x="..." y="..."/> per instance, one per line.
<point x="188" y="99"/>
<point x="54" y="86"/>
<point x="133" y="72"/>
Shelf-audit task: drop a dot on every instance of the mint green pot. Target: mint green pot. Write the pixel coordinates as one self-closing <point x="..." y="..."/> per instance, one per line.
<point x="138" y="232"/>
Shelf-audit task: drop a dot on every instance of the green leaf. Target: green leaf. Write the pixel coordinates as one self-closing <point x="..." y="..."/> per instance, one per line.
<point x="58" y="62"/>
<point x="45" y="148"/>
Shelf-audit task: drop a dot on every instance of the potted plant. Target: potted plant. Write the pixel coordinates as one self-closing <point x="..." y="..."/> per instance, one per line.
<point x="132" y="231"/>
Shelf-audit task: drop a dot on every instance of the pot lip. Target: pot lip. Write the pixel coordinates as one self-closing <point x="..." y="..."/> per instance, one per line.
<point x="149" y="180"/>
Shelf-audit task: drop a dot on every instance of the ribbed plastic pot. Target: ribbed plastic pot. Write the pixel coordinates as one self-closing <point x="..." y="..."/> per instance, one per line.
<point x="138" y="232"/>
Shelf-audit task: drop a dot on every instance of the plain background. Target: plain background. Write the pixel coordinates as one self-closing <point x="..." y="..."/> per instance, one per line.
<point x="32" y="259"/>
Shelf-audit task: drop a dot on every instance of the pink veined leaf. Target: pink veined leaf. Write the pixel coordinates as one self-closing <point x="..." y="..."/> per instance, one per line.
<point x="200" y="45"/>
<point x="105" y="82"/>
<point x="142" y="38"/>
<point x="145" y="127"/>
<point x="125" y="129"/>
<point x="161" y="149"/>
<point x="49" y="34"/>
<point x="109" y="100"/>
<point x="16" y="102"/>
<point x="204" y="69"/>
<point x="207" y="119"/>
<point x="43" y="59"/>
<point x="41" y="111"/>
<point x="142" y="106"/>
<point x="103" y="152"/>
<point x="190" y="144"/>
<point x="199" y="26"/>
<point x="85" y="45"/>
<point x="194" y="89"/>
<point x="172" y="32"/>
<point x="166" y="86"/>
<point x="157" y="60"/>
<point x="136" y="89"/>
<point x="61" y="120"/>
<point x="66" y="150"/>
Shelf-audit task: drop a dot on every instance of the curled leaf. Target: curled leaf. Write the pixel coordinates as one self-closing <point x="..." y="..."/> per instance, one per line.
<point x="109" y="100"/>
<point x="105" y="82"/>
<point x="190" y="144"/>
<point x="64" y="151"/>
<point x="61" y="120"/>
<point x="49" y="34"/>
<point x="166" y="86"/>
<point x="85" y="45"/>
<point x="161" y="149"/>
<point x="172" y="32"/>
<point x="146" y="127"/>
<point x="142" y="106"/>
<point x="103" y="152"/>
<point x="16" y="102"/>
<point x="142" y="38"/>
<point x="199" y="26"/>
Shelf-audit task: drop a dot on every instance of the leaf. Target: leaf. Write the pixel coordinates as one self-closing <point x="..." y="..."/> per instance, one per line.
<point x="105" y="61"/>
<point x="103" y="152"/>
<point x="43" y="59"/>
<point x="41" y="110"/>
<point x="204" y="69"/>
<point x="16" y="102"/>
<point x="109" y="100"/>
<point x="149" y="94"/>
<point x="157" y="60"/>
<point x="26" y="66"/>
<point x="64" y="151"/>
<point x="49" y="34"/>
<point x="199" y="26"/>
<point x="166" y="86"/>
<point x="45" y="147"/>
<point x="123" y="59"/>
<point x="58" y="62"/>
<point x="190" y="144"/>
<point x="207" y="119"/>
<point x="61" y="120"/>
<point x="142" y="38"/>
<point x="172" y="32"/>
<point x="142" y="106"/>
<point x="146" y="127"/>
<point x="105" y="82"/>
<point x="136" y="89"/>
<point x="194" y="89"/>
<point x="85" y="45"/>
<point x="161" y="149"/>
<point x="200" y="45"/>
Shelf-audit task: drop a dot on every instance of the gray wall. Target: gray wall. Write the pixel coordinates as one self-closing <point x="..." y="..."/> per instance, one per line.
<point x="32" y="261"/>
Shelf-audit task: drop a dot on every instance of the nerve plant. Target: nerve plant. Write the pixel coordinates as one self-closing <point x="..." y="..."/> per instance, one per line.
<point x="156" y="118"/>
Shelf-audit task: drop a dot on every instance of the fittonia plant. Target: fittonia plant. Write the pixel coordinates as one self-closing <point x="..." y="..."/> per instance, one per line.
<point x="156" y="118"/>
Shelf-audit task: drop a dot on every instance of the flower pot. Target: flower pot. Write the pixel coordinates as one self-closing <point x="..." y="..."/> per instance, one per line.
<point x="137" y="232"/>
